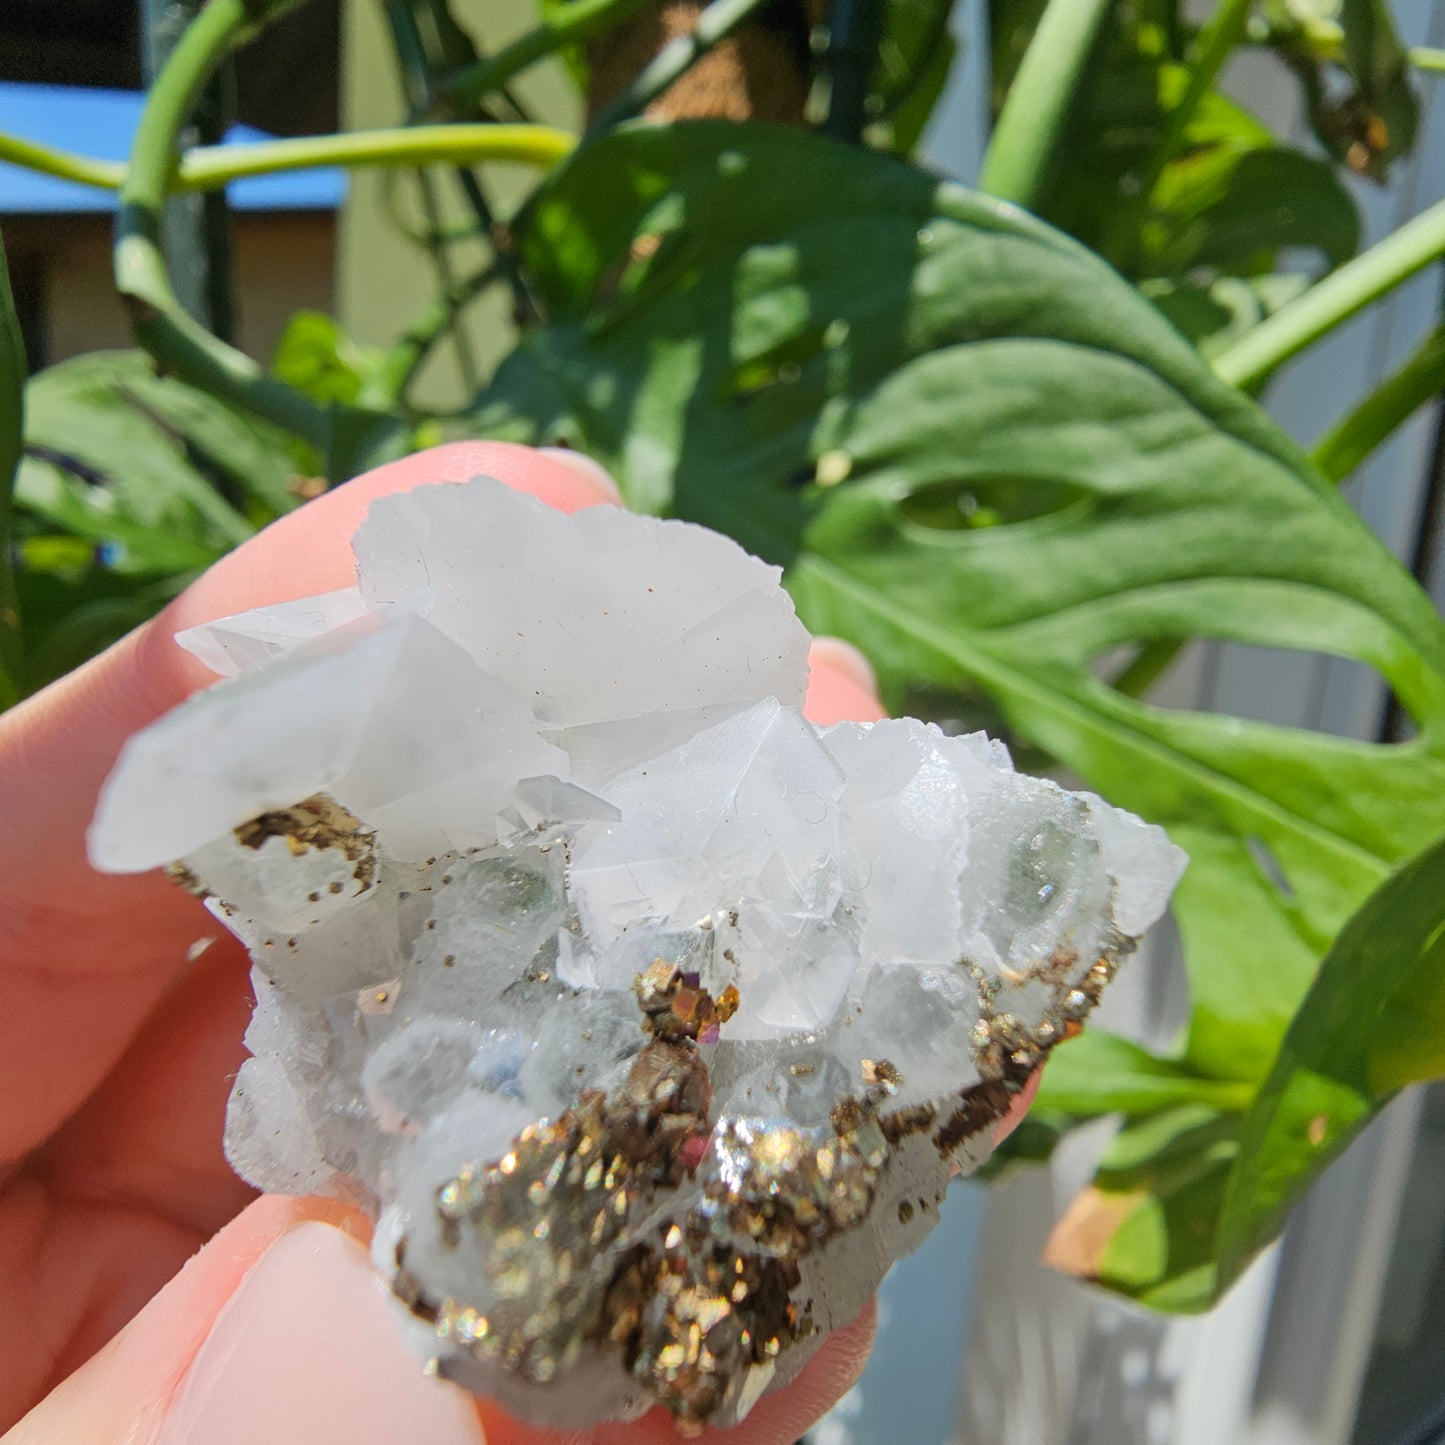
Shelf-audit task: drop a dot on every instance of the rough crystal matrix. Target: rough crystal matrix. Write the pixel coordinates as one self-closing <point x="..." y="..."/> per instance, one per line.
<point x="650" y="1020"/>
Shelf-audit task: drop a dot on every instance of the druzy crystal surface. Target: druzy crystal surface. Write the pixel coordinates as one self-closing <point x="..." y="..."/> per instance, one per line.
<point x="649" y="1019"/>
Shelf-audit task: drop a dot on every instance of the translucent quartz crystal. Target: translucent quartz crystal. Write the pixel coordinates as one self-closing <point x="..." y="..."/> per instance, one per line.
<point x="648" y="1019"/>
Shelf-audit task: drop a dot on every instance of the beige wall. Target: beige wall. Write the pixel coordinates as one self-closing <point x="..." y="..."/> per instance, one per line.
<point x="283" y="262"/>
<point x="384" y="279"/>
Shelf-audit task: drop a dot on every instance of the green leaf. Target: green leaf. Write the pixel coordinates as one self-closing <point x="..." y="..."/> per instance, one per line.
<point x="1148" y="1226"/>
<point x="75" y="605"/>
<point x="1184" y="1198"/>
<point x="1355" y="74"/>
<point x="1101" y="1073"/>
<point x="130" y="485"/>
<point x="1233" y="210"/>
<point x="165" y="475"/>
<point x="915" y="54"/>
<point x="1373" y="1022"/>
<point x="12" y="387"/>
<point x="1227" y="203"/>
<point x="320" y="360"/>
<point x="1215" y="313"/>
<point x="988" y="461"/>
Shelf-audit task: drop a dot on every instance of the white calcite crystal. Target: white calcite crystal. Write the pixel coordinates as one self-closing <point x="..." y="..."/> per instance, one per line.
<point x="649" y="1019"/>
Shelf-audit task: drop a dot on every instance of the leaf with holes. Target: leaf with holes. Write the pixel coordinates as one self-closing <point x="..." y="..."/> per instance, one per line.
<point x="989" y="462"/>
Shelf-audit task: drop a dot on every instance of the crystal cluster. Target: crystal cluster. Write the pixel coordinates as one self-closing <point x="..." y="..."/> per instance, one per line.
<point x="649" y="1019"/>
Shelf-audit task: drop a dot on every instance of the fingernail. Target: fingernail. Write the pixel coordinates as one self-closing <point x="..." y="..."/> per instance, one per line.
<point x="584" y="466"/>
<point x="307" y="1350"/>
<point x="845" y="658"/>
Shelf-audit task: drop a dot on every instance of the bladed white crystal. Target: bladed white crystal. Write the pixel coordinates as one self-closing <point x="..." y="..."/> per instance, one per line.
<point x="649" y="1019"/>
<point x="231" y="645"/>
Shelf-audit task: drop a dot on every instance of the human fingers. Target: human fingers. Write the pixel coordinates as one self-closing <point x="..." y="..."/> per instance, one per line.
<point x="277" y="1330"/>
<point x="86" y="956"/>
<point x="841" y="684"/>
<point x="280" y="1330"/>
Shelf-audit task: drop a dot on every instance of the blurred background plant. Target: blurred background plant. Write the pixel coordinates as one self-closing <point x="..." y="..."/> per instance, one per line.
<point x="1003" y="439"/>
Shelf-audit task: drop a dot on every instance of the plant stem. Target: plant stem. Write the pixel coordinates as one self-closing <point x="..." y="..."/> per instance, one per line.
<point x="404" y="357"/>
<point x="1227" y="27"/>
<point x="419" y="59"/>
<point x="421" y="234"/>
<point x="87" y="171"/>
<point x="1019" y="158"/>
<point x="855" y="28"/>
<point x="532" y="145"/>
<point x="161" y="326"/>
<point x="1420" y="380"/>
<point x="207" y="167"/>
<point x="581" y="20"/>
<point x="1422" y="57"/>
<point x="1417" y="243"/>
<point x="411" y="55"/>
<point x="715" y="24"/>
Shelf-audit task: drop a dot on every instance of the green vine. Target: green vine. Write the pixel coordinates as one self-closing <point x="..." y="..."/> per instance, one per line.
<point x="1417" y="382"/>
<point x="1257" y="355"/>
<point x="207" y="168"/>
<point x="161" y="327"/>
<point x="1018" y="162"/>
<point x="175" y="340"/>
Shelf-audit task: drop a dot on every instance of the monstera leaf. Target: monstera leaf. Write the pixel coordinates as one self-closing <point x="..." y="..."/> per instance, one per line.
<point x="984" y="458"/>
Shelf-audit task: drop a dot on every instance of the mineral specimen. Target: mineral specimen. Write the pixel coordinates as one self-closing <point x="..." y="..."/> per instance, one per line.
<point x="650" y="1020"/>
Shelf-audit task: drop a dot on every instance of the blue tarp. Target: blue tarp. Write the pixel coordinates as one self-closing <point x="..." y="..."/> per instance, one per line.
<point x="101" y="124"/>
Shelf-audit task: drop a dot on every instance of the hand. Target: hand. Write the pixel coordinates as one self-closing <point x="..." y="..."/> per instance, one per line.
<point x="147" y="1295"/>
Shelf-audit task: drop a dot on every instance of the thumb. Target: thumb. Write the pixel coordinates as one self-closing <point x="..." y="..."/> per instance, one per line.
<point x="278" y="1330"/>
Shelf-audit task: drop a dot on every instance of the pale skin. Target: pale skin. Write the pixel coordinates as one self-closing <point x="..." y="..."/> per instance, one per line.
<point x="136" y="1301"/>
